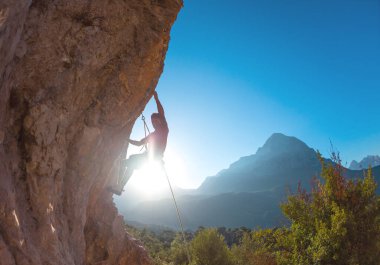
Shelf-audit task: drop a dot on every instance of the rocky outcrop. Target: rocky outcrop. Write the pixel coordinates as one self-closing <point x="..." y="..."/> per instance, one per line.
<point x="74" y="75"/>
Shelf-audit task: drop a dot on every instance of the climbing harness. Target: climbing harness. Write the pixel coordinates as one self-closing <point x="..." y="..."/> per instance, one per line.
<point x="178" y="213"/>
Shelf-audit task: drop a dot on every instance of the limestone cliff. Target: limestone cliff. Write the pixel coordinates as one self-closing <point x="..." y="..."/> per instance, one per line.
<point x="74" y="76"/>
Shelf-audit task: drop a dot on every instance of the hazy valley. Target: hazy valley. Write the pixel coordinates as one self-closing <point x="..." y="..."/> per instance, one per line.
<point x="248" y="193"/>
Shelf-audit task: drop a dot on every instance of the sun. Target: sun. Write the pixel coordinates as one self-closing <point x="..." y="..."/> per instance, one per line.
<point x="150" y="180"/>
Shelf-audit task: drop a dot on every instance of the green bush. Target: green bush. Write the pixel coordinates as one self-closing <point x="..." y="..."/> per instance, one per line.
<point x="256" y="248"/>
<point x="337" y="223"/>
<point x="208" y="248"/>
<point x="179" y="255"/>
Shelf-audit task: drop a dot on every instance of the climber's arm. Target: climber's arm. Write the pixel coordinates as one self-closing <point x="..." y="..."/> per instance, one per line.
<point x="159" y="105"/>
<point x="134" y="142"/>
<point x="139" y="143"/>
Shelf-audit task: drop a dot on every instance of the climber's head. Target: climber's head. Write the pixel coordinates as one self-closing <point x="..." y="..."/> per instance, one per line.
<point x="156" y="120"/>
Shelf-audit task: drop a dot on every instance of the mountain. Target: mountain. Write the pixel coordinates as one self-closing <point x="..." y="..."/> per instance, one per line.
<point x="248" y="193"/>
<point x="280" y="161"/>
<point x="368" y="161"/>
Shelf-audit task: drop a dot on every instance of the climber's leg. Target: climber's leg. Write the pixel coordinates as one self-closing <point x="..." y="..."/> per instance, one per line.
<point x="125" y="177"/>
<point x="136" y="161"/>
<point x="117" y="189"/>
<point x="127" y="167"/>
<point x="122" y="168"/>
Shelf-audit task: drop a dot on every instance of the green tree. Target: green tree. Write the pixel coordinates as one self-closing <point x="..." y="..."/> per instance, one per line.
<point x="178" y="251"/>
<point x="257" y="248"/>
<point x="208" y="248"/>
<point x="232" y="235"/>
<point x="337" y="223"/>
<point x="157" y="244"/>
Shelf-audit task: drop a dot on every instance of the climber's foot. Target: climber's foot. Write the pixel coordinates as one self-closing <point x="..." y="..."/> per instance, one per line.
<point x="115" y="190"/>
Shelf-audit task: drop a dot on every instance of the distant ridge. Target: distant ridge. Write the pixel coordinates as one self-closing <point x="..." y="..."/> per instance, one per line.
<point x="248" y="193"/>
<point x="280" y="161"/>
<point x="365" y="163"/>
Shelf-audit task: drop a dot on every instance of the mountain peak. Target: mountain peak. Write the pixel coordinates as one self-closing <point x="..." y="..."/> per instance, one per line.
<point x="280" y="143"/>
<point x="280" y="137"/>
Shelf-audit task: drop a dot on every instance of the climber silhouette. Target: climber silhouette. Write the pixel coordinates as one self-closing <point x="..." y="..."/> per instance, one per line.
<point x="156" y="142"/>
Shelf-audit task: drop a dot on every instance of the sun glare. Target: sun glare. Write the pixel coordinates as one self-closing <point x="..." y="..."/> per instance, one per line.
<point x="151" y="181"/>
<point x="176" y="168"/>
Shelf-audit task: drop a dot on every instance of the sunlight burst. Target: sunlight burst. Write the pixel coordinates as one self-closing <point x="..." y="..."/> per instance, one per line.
<point x="151" y="181"/>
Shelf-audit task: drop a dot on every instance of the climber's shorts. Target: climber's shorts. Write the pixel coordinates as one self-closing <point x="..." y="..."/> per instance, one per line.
<point x="136" y="161"/>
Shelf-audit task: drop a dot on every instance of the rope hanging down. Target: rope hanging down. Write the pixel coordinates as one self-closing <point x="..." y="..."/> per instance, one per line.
<point x="178" y="213"/>
<point x="146" y="129"/>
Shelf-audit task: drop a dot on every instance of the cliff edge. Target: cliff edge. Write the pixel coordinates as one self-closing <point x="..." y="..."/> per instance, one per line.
<point x="74" y="76"/>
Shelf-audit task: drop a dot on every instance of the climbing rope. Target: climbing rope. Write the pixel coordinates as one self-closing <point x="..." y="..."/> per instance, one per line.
<point x="178" y="212"/>
<point x="146" y="129"/>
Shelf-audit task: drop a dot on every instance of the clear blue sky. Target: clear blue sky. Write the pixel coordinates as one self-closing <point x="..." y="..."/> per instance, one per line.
<point x="238" y="71"/>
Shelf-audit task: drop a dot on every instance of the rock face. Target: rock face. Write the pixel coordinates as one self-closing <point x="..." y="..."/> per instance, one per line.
<point x="74" y="76"/>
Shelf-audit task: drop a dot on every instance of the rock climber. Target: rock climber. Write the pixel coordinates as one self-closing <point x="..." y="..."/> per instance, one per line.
<point x="156" y="142"/>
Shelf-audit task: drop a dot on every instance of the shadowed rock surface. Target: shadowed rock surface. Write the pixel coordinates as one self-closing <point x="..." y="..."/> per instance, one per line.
<point x="74" y="75"/>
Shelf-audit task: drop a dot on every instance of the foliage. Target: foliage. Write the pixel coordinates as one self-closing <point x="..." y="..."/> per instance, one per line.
<point x="232" y="235"/>
<point x="158" y="245"/>
<point x="179" y="254"/>
<point x="337" y="223"/>
<point x="208" y="248"/>
<point x="167" y="247"/>
<point x="257" y="248"/>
